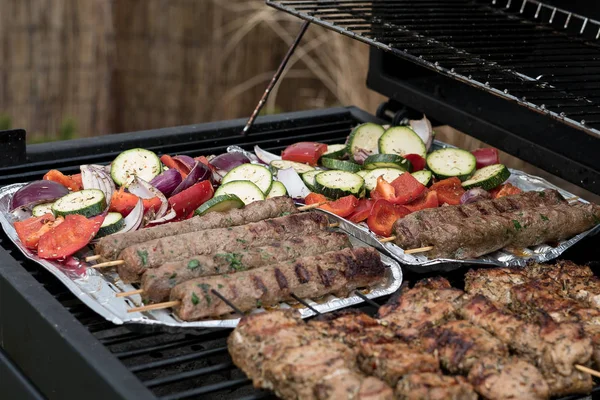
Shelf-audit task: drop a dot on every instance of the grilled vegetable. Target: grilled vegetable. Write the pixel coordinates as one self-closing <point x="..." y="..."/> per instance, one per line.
<point x="87" y="202"/>
<point x="257" y="174"/>
<point x="68" y="181"/>
<point x="486" y="156"/>
<point x="68" y="237"/>
<point x="449" y="191"/>
<point x="245" y="190"/>
<point x="336" y="151"/>
<point x="309" y="178"/>
<point x="446" y="163"/>
<point x="387" y="161"/>
<point x="363" y="141"/>
<point x="220" y="203"/>
<point x="185" y="202"/>
<point x="423" y="176"/>
<point x="335" y="184"/>
<point x="277" y="189"/>
<point x="488" y="177"/>
<point x="389" y="174"/>
<point x="284" y="164"/>
<point x="304" y="152"/>
<point x="113" y="223"/>
<point x="38" y="192"/>
<point x="135" y="162"/>
<point x="342" y="165"/>
<point x="401" y="140"/>
<point x="42" y="209"/>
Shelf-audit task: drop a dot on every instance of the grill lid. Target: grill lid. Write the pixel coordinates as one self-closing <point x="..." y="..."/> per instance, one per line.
<point x="542" y="57"/>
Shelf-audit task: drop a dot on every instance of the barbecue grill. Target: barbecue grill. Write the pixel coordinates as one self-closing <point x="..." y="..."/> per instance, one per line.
<point x="507" y="72"/>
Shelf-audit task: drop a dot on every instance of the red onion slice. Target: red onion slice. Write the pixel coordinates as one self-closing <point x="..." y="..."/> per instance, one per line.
<point x="166" y="218"/>
<point x="188" y="161"/>
<point x="264" y="156"/>
<point x="38" y="192"/>
<point x="97" y="178"/>
<point x="228" y="161"/>
<point x="474" y="195"/>
<point x="167" y="182"/>
<point x="200" y="172"/>
<point x="424" y="130"/>
<point x="134" y="220"/>
<point x="144" y="190"/>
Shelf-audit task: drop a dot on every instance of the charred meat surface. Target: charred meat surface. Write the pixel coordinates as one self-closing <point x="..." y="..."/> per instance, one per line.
<point x="493" y="283"/>
<point x="158" y="282"/>
<point x="432" y="386"/>
<point x="351" y="327"/>
<point x="110" y="247"/>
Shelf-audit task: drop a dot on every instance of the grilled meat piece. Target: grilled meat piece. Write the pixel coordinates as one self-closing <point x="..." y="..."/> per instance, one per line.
<point x="155" y="253"/>
<point x="409" y="230"/>
<point x="475" y="236"/>
<point x="432" y="386"/>
<point x="351" y="327"/>
<point x="110" y="247"/>
<point x="493" y="283"/>
<point x="420" y="308"/>
<point x="561" y="270"/>
<point x="507" y="378"/>
<point x="460" y="344"/>
<point x="347" y="384"/>
<point x="157" y="282"/>
<point x="335" y="272"/>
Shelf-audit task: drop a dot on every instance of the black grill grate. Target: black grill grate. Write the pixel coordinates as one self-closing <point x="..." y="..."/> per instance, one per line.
<point x="542" y="57"/>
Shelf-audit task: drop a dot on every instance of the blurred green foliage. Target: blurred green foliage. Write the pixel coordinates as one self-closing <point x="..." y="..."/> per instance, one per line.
<point x="5" y="122"/>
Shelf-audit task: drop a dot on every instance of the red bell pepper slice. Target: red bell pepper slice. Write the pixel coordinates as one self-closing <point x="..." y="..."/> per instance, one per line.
<point x="486" y="156"/>
<point x="383" y="190"/>
<point x="170" y="162"/>
<point x="342" y="207"/>
<point x="73" y="184"/>
<point x="418" y="162"/>
<point x="69" y="237"/>
<point x="449" y="191"/>
<point x="124" y="202"/>
<point x="184" y="203"/>
<point x="32" y="229"/>
<point x="383" y="215"/>
<point x="504" y="190"/>
<point x="428" y="200"/>
<point x="362" y="210"/>
<point x="313" y="198"/>
<point x="407" y="189"/>
<point x="304" y="152"/>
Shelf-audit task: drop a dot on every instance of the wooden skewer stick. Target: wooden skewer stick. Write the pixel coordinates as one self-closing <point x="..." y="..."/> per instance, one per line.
<point x="388" y="239"/>
<point x="130" y="293"/>
<point x="588" y="370"/>
<point x="157" y="306"/>
<point x="109" y="264"/>
<point x="93" y="258"/>
<point x="334" y="225"/>
<point x="418" y="250"/>
<point x="311" y="206"/>
<point x="572" y="199"/>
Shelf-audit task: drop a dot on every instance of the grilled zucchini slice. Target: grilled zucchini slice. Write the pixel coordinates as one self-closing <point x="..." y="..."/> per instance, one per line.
<point x="309" y="179"/>
<point x="246" y="191"/>
<point x="335" y="184"/>
<point x="342" y="165"/>
<point x="257" y="174"/>
<point x="42" y="209"/>
<point x="488" y="177"/>
<point x="449" y="162"/>
<point x="135" y="162"/>
<point x="87" y="202"/>
<point x="364" y="137"/>
<point x="277" y="189"/>
<point x="285" y="164"/>
<point x="389" y="174"/>
<point x="113" y="223"/>
<point x="401" y="140"/>
<point x="336" y="151"/>
<point x="423" y="176"/>
<point x="387" y="161"/>
<point x="224" y="202"/>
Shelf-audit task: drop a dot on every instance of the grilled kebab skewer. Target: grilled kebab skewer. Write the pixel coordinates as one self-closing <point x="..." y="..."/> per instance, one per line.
<point x="479" y="235"/>
<point x="110" y="247"/>
<point x="154" y="253"/>
<point x="157" y="283"/>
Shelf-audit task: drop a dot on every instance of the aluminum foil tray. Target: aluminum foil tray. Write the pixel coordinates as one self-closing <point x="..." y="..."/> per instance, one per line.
<point x="98" y="289"/>
<point x="510" y="258"/>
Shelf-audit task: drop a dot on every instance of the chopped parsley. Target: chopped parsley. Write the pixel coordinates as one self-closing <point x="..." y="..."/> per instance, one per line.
<point x="241" y="240"/>
<point x="219" y="286"/>
<point x="195" y="299"/>
<point x="258" y="303"/>
<point x="143" y="254"/>
<point x="205" y="287"/>
<point x="544" y="218"/>
<point x="229" y="228"/>
<point x="193" y="264"/>
<point x="542" y="193"/>
<point x="234" y="260"/>
<point x="173" y="276"/>
<point x="283" y="214"/>
<point x="517" y="225"/>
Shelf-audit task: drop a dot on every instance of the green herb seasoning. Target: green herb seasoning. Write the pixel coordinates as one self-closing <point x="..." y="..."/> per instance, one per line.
<point x="229" y="228"/>
<point x="234" y="260"/>
<point x="193" y="264"/>
<point x="195" y="299"/>
<point x="542" y="193"/>
<point x="205" y="287"/>
<point x="258" y="303"/>
<point x="517" y="225"/>
<point x="241" y="240"/>
<point x="283" y="214"/>
<point x="143" y="254"/>
<point x="219" y="286"/>
<point x="544" y="218"/>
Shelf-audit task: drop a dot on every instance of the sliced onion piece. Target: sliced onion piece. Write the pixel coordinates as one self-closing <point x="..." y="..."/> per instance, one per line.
<point x="165" y="218"/>
<point x="238" y="149"/>
<point x="144" y="190"/>
<point x="474" y="195"/>
<point x="188" y="161"/>
<point x="167" y="182"/>
<point x="264" y="156"/>
<point x="293" y="183"/>
<point x="360" y="155"/>
<point x="200" y="172"/>
<point x="134" y="220"/>
<point x="97" y="178"/>
<point x="424" y="130"/>
<point x="228" y="161"/>
<point x="38" y="192"/>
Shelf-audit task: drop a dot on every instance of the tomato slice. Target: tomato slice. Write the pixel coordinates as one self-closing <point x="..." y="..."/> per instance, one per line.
<point x="428" y="200"/>
<point x="362" y="210"/>
<point x="304" y="152"/>
<point x="449" y="191"/>
<point x="383" y="190"/>
<point x="504" y="190"/>
<point x="31" y="230"/>
<point x="407" y="189"/>
<point x="190" y="199"/>
<point x="383" y="215"/>
<point x="69" y="237"/>
<point x="313" y="198"/>
<point x="170" y="162"/>
<point x="55" y="175"/>
<point x="486" y="156"/>
<point x="418" y="162"/>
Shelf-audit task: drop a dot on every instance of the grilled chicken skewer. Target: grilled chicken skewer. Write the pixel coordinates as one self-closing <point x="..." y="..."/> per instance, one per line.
<point x="110" y="247"/>
<point x="152" y="254"/>
<point x="157" y="283"/>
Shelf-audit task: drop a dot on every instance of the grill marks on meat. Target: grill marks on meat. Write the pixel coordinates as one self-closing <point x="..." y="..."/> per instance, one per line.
<point x="432" y="386"/>
<point x="157" y="252"/>
<point x="410" y="229"/>
<point x="347" y="269"/>
<point x="483" y="234"/>
<point x="495" y="283"/>
<point x="110" y="247"/>
<point x="157" y="283"/>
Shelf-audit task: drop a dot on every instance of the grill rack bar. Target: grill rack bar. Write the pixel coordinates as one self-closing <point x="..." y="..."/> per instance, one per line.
<point x="390" y="25"/>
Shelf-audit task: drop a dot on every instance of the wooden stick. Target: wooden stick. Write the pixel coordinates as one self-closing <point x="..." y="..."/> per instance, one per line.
<point x="158" y="306"/>
<point x="570" y="199"/>
<point x="587" y="370"/>
<point x="130" y="293"/>
<point x="93" y="258"/>
<point x="311" y="206"/>
<point x="109" y="264"/>
<point x="334" y="225"/>
<point x="418" y="250"/>
<point x="388" y="239"/>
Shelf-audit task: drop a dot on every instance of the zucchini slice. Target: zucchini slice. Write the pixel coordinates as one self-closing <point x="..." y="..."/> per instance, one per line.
<point x="257" y="174"/>
<point x="449" y="162"/>
<point x="285" y="164"/>
<point x="135" y="162"/>
<point x="387" y="161"/>
<point x="246" y="191"/>
<point x="309" y="179"/>
<point x="113" y="223"/>
<point x="42" y="209"/>
<point x="362" y="173"/>
<point x="335" y="184"/>
<point x="488" y="177"/>
<point x="364" y="137"/>
<point x="389" y="174"/>
<point x="423" y="176"/>
<point x="87" y="202"/>
<point x="277" y="189"/>
<point x="332" y="163"/>
<point x="401" y="140"/>
<point x="336" y="151"/>
<point x="224" y="202"/>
